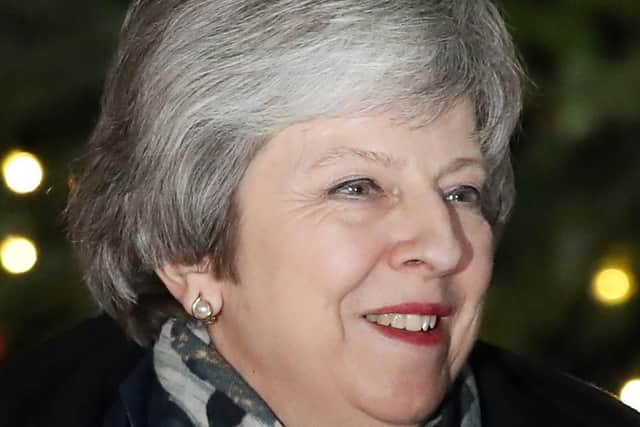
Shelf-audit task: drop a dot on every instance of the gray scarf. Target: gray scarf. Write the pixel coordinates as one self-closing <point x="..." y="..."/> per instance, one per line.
<point x="210" y="393"/>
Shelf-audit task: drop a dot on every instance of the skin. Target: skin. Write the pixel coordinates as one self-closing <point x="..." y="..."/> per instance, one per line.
<point x="338" y="218"/>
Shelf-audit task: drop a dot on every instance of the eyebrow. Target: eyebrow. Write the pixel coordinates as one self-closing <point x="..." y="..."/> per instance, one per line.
<point x="384" y="159"/>
<point x="340" y="153"/>
<point x="462" y="163"/>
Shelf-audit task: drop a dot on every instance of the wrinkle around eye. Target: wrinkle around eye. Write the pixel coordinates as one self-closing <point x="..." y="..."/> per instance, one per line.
<point x="320" y="210"/>
<point x="308" y="207"/>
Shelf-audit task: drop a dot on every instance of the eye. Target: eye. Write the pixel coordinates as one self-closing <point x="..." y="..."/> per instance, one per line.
<point x="466" y="194"/>
<point x="357" y="188"/>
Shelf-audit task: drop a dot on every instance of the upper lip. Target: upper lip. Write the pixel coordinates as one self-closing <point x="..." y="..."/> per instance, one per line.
<point x="421" y="308"/>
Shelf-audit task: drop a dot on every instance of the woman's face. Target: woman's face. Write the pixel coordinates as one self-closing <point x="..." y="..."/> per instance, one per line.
<point x="347" y="225"/>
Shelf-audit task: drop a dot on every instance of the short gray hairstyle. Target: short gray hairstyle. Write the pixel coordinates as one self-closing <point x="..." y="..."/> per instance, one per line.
<point x="198" y="85"/>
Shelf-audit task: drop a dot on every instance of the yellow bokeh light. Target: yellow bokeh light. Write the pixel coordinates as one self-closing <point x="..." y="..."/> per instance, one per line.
<point x="18" y="254"/>
<point x="612" y="286"/>
<point x="630" y="393"/>
<point x="22" y="172"/>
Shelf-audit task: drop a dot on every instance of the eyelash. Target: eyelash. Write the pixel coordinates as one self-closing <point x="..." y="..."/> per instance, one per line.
<point x="464" y="190"/>
<point x="367" y="187"/>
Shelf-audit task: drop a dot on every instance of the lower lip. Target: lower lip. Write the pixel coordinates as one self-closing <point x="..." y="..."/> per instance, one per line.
<point x="431" y="338"/>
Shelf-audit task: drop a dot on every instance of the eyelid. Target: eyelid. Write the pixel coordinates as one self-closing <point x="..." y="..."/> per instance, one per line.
<point x="371" y="183"/>
<point x="477" y="192"/>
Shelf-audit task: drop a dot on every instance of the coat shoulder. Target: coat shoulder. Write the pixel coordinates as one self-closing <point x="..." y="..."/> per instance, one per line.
<point x="69" y="380"/>
<point x="514" y="391"/>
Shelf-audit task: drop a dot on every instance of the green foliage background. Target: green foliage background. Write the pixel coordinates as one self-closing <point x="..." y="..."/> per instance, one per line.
<point x="577" y="163"/>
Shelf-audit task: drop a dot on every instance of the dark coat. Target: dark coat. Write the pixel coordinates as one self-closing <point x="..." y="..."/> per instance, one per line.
<point x="75" y="380"/>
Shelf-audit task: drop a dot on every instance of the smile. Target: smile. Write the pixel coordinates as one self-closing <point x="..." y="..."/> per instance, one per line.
<point x="407" y="322"/>
<point x="414" y="323"/>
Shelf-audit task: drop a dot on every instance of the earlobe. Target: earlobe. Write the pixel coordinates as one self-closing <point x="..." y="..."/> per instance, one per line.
<point x="188" y="283"/>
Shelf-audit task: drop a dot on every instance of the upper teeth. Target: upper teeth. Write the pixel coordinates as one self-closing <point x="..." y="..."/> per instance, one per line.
<point x="409" y="322"/>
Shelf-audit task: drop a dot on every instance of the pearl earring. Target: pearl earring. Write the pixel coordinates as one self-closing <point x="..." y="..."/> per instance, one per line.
<point x="201" y="310"/>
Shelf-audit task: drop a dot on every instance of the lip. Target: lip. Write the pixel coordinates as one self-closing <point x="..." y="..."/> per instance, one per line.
<point x="432" y="338"/>
<point x="423" y="309"/>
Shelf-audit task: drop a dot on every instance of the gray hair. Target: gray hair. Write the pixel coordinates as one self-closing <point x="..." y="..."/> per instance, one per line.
<point x="198" y="85"/>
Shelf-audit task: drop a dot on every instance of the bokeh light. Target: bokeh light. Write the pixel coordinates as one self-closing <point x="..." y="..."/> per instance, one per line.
<point x="22" y="172"/>
<point x="630" y="393"/>
<point x="18" y="254"/>
<point x="612" y="285"/>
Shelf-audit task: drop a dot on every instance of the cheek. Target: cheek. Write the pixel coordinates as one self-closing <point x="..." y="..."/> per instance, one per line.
<point x="470" y="289"/>
<point x="482" y="263"/>
<point x="331" y="247"/>
<point x="341" y="256"/>
<point x="306" y="273"/>
<point x="473" y="281"/>
<point x="478" y="237"/>
<point x="313" y="262"/>
<point x="478" y="274"/>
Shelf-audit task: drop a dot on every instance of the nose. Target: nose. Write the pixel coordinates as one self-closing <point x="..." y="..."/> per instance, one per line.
<point x="428" y="238"/>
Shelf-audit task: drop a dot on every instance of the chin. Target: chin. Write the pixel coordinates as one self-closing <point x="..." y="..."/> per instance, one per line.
<point x="407" y="413"/>
<point x="406" y="404"/>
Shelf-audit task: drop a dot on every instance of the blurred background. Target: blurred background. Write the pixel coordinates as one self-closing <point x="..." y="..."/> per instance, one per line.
<point x="566" y="284"/>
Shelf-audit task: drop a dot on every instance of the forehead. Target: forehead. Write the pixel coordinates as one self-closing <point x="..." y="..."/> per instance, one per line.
<point x="383" y="139"/>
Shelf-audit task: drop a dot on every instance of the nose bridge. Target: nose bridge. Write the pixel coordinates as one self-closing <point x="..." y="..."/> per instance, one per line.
<point x="432" y="237"/>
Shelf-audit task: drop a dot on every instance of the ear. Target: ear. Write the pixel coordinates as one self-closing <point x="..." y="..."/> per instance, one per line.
<point x="188" y="282"/>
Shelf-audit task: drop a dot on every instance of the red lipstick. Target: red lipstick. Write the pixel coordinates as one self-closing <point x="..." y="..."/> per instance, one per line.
<point x="421" y="338"/>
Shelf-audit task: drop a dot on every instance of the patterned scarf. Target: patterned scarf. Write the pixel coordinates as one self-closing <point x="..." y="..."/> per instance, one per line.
<point x="197" y="387"/>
